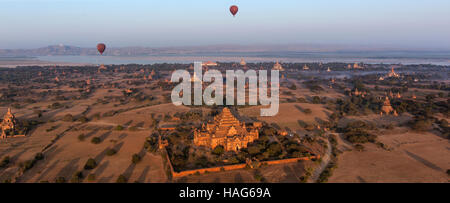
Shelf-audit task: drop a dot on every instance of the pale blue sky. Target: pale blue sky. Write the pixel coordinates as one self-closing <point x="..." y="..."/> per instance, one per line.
<point x="156" y="23"/>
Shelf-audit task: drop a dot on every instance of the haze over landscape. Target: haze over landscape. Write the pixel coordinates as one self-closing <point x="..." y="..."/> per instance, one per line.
<point x="360" y="91"/>
<point x="398" y="24"/>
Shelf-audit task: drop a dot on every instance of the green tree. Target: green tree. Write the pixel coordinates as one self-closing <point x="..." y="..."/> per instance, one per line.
<point x="119" y="128"/>
<point x="121" y="179"/>
<point x="219" y="150"/>
<point x="60" y="180"/>
<point x="5" y="161"/>
<point x="68" y="118"/>
<point x="316" y="100"/>
<point x="91" y="177"/>
<point x="96" y="140"/>
<point x="77" y="177"/>
<point x="90" y="164"/>
<point x="81" y="137"/>
<point x="135" y="158"/>
<point x="111" y="152"/>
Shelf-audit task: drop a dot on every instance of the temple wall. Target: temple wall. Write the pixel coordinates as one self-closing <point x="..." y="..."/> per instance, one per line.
<point x="236" y="167"/>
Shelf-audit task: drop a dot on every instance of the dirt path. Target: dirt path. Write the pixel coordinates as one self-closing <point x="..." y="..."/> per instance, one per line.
<point x="323" y="165"/>
<point x="103" y="123"/>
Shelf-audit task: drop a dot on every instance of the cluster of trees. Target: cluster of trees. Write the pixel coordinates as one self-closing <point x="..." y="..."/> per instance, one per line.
<point x="180" y="141"/>
<point x="151" y="143"/>
<point x="90" y="164"/>
<point x="136" y="158"/>
<point x="313" y="85"/>
<point x="263" y="149"/>
<point x="179" y="158"/>
<point x="195" y="114"/>
<point x="357" y="132"/>
<point x="358" y="105"/>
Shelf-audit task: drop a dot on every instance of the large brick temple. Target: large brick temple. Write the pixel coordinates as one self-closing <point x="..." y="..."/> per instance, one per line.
<point x="226" y="130"/>
<point x="8" y="126"/>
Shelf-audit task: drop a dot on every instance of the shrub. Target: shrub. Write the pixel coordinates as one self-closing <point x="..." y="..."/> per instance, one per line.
<point x="111" y="152"/>
<point x="119" y="128"/>
<point x="316" y="100"/>
<point x="307" y="111"/>
<point x="421" y="125"/>
<point x="304" y="179"/>
<point x="96" y="140"/>
<point x="302" y="100"/>
<point x="83" y="119"/>
<point x="81" y="137"/>
<point x="91" y="177"/>
<point x="258" y="177"/>
<point x="68" y="118"/>
<point x="55" y="105"/>
<point x="39" y="156"/>
<point x="382" y="146"/>
<point x="310" y="127"/>
<point x="90" y="164"/>
<point x="219" y="150"/>
<point x="443" y="123"/>
<point x="135" y="158"/>
<point x="121" y="179"/>
<point x="27" y="165"/>
<point x="77" y="177"/>
<point x="327" y="173"/>
<point x="5" y="161"/>
<point x="60" y="180"/>
<point x="359" y="147"/>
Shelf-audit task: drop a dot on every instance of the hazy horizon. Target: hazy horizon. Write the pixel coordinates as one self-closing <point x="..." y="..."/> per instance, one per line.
<point x="265" y="47"/>
<point x="383" y="23"/>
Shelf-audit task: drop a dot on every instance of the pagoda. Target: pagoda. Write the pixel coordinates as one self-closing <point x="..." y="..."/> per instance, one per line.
<point x="278" y="66"/>
<point x="226" y="131"/>
<point x="243" y="63"/>
<point x="8" y="125"/>
<point x="393" y="74"/>
<point x="387" y="108"/>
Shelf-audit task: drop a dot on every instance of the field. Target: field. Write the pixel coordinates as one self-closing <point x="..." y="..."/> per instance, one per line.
<point x="415" y="157"/>
<point x="114" y="115"/>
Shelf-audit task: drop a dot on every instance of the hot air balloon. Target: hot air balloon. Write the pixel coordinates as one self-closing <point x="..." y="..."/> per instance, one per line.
<point x="101" y="48"/>
<point x="234" y="9"/>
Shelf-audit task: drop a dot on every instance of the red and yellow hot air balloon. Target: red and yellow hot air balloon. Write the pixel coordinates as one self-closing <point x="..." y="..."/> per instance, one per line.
<point x="234" y="9"/>
<point x="101" y="48"/>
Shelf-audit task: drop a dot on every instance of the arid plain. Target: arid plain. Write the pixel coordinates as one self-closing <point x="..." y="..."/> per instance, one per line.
<point x="112" y="114"/>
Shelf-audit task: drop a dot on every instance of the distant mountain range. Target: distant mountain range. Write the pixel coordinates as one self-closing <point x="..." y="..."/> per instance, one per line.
<point x="61" y="50"/>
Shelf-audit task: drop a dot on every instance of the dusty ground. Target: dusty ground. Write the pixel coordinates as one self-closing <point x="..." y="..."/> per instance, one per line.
<point x="290" y="114"/>
<point x="415" y="157"/>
